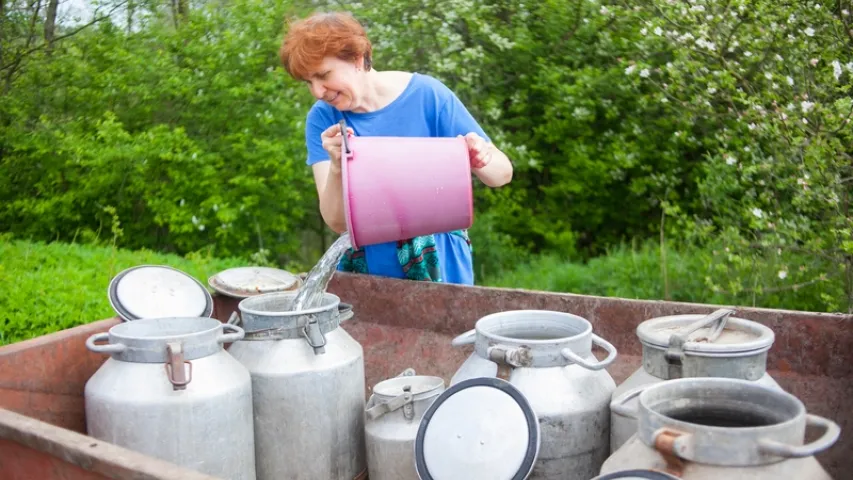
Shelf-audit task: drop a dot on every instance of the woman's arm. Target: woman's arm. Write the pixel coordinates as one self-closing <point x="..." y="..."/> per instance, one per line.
<point x="488" y="163"/>
<point x="327" y="177"/>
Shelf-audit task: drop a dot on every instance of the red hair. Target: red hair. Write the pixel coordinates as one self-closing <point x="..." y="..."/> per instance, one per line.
<point x="310" y="40"/>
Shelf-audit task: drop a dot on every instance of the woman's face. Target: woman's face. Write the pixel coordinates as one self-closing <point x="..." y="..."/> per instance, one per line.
<point x="337" y="82"/>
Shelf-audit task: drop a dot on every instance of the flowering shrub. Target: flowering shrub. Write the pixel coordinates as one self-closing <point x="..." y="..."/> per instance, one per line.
<point x="723" y="124"/>
<point x="766" y="89"/>
<point x="719" y="126"/>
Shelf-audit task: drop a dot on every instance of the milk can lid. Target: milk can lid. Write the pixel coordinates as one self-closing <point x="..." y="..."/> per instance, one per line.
<point x="158" y="291"/>
<point x="242" y="282"/>
<point x="636" y="475"/>
<point x="480" y="428"/>
<point x="737" y="334"/>
<point x="419" y="385"/>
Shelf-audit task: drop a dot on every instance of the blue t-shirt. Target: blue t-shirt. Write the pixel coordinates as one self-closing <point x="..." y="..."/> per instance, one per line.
<point x="426" y="108"/>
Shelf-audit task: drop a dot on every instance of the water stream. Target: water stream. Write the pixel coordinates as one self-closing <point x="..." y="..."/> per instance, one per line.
<point x="312" y="290"/>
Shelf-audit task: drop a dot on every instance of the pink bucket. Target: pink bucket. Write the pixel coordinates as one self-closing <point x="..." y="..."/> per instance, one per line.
<point x="397" y="188"/>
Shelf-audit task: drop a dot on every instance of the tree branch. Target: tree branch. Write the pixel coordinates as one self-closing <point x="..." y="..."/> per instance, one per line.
<point x="32" y="50"/>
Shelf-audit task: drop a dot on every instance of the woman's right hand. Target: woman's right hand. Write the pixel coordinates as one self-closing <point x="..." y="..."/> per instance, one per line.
<point x="332" y="143"/>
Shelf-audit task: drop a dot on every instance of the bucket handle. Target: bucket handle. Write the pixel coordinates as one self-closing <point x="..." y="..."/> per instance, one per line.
<point x="619" y="407"/>
<point x="238" y="334"/>
<point x="466" y="338"/>
<point x="109" y="348"/>
<point x="611" y="355"/>
<point x="828" y="439"/>
<point x="345" y="144"/>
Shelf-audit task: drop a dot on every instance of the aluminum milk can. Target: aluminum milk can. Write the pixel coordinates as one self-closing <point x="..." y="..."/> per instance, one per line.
<point x="677" y="346"/>
<point x="308" y="388"/>
<point x="547" y="356"/>
<point x="715" y="428"/>
<point x="169" y="390"/>
<point x="393" y="414"/>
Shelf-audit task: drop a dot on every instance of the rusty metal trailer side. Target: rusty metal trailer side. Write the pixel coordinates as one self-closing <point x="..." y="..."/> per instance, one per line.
<point x="404" y="324"/>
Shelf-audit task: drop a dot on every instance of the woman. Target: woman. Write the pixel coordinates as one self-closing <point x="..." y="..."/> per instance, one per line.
<point x="331" y="53"/>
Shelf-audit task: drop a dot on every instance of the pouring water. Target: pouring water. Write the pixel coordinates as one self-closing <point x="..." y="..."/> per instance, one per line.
<point x="317" y="280"/>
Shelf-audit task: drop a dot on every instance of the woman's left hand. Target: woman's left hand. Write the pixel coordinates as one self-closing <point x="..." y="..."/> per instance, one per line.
<point x="479" y="150"/>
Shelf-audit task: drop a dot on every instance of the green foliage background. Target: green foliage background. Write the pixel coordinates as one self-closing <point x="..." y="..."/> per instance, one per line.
<point x="711" y="139"/>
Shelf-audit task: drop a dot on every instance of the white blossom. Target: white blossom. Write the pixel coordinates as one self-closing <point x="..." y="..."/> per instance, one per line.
<point x="730" y="160"/>
<point x="201" y="228"/>
<point x="836" y="69"/>
<point x="712" y="90"/>
<point x="747" y="53"/>
<point x="779" y="58"/>
<point x="644" y="31"/>
<point x="809" y="32"/>
<point x="706" y="44"/>
<point x="757" y="212"/>
<point x="768" y="75"/>
<point x="752" y="126"/>
<point x="789" y="80"/>
<point x="658" y="31"/>
<point x="845" y="12"/>
<point x="644" y="73"/>
<point x="604" y="11"/>
<point x="806" y="106"/>
<point x="630" y="69"/>
<point x="783" y="274"/>
<point x="813" y="62"/>
<point x="697" y="8"/>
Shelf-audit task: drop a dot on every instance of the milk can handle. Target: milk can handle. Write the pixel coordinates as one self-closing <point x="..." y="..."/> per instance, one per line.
<point x="619" y="407"/>
<point x="611" y="354"/>
<point x="235" y="318"/>
<point x="344" y="312"/>
<point x="828" y="439"/>
<point x="718" y="317"/>
<point x="110" y="348"/>
<point x="238" y="334"/>
<point x="466" y="338"/>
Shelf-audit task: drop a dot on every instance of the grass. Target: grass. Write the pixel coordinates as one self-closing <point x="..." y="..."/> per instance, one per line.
<point x="637" y="273"/>
<point x="50" y="287"/>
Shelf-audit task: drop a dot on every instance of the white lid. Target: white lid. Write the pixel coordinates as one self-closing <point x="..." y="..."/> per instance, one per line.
<point x="738" y="334"/>
<point x="242" y="282"/>
<point x="422" y="386"/>
<point x="158" y="291"/>
<point x="481" y="428"/>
